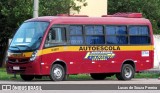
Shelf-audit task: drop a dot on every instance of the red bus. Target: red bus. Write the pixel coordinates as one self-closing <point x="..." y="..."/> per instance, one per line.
<point x="58" y="46"/>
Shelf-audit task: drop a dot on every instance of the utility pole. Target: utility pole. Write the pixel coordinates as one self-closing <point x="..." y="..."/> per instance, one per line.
<point x="35" y="10"/>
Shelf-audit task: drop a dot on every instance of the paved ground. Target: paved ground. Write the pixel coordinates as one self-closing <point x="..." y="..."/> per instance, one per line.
<point x="133" y="81"/>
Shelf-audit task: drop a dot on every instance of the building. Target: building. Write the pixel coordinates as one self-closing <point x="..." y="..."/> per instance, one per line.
<point x="93" y="8"/>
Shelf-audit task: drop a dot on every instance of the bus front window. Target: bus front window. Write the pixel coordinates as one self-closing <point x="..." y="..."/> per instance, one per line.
<point x="29" y="36"/>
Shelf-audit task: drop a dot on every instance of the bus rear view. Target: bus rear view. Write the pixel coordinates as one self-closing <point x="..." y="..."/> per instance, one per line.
<point x="119" y="44"/>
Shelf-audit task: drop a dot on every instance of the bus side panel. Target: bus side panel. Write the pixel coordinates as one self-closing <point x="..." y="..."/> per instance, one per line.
<point x="141" y="63"/>
<point x="77" y="63"/>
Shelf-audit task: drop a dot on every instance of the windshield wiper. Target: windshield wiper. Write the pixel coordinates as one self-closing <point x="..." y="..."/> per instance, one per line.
<point x="24" y="46"/>
<point x="17" y="48"/>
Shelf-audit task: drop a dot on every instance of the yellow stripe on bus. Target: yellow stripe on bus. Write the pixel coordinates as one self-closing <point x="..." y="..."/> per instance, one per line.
<point x="89" y="48"/>
<point x="28" y="54"/>
<point x="94" y="48"/>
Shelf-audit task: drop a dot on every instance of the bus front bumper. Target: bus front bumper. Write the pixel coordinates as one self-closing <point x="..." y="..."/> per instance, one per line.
<point x="29" y="68"/>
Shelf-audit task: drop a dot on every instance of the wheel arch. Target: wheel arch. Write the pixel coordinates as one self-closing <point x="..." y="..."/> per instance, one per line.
<point x="131" y="62"/>
<point x="61" y="62"/>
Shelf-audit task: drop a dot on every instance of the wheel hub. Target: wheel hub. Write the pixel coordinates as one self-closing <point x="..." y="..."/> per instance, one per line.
<point x="57" y="73"/>
<point x="128" y="72"/>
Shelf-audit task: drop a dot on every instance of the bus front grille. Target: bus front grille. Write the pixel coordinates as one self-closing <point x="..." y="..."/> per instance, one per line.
<point x="18" y="60"/>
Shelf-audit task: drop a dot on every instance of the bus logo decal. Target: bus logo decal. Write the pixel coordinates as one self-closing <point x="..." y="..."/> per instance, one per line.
<point x="99" y="55"/>
<point x="99" y="48"/>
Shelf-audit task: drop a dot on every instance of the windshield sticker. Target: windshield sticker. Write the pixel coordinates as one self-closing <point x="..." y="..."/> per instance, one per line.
<point x="28" y="39"/>
<point x="99" y="55"/>
<point x="19" y="40"/>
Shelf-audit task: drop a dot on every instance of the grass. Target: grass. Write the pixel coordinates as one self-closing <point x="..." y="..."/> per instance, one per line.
<point x="5" y="76"/>
<point x="147" y="75"/>
<point x="86" y="77"/>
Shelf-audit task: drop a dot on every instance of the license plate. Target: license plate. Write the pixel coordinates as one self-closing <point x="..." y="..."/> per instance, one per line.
<point x="16" y="68"/>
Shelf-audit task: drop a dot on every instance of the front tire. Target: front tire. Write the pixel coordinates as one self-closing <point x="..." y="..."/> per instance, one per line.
<point x="58" y="73"/>
<point x="127" y="72"/>
<point x="27" y="77"/>
<point x="98" y="76"/>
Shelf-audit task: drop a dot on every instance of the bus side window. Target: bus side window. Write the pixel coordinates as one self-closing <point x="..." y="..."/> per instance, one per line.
<point x="76" y="35"/>
<point x="116" y="34"/>
<point x="139" y="35"/>
<point x="56" y="36"/>
<point x="94" y="35"/>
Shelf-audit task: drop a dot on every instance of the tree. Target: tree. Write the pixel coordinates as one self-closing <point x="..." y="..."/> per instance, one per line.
<point x="54" y="7"/>
<point x="149" y="8"/>
<point x="13" y="13"/>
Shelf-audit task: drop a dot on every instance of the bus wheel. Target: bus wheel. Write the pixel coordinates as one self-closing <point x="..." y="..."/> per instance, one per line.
<point x="58" y="73"/>
<point x="127" y="72"/>
<point x="27" y="77"/>
<point x="98" y="76"/>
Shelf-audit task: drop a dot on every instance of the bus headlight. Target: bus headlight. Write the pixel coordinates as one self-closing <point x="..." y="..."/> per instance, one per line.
<point x="33" y="57"/>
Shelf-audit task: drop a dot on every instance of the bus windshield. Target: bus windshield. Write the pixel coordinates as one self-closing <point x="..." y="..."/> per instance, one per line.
<point x="29" y="36"/>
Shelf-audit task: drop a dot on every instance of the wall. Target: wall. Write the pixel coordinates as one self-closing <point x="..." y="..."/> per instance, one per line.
<point x="156" y="51"/>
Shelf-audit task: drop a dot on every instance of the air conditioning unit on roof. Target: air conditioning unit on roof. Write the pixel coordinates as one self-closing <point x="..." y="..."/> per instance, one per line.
<point x="67" y="15"/>
<point x="128" y="15"/>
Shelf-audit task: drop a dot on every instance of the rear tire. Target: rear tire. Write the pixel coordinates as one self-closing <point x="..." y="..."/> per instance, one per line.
<point x="58" y="73"/>
<point x="98" y="76"/>
<point x="127" y="72"/>
<point x="27" y="77"/>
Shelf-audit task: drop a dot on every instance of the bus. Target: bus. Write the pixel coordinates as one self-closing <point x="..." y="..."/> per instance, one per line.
<point x="57" y="46"/>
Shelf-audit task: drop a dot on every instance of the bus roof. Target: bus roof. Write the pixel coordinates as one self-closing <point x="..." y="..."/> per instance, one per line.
<point x="93" y="20"/>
